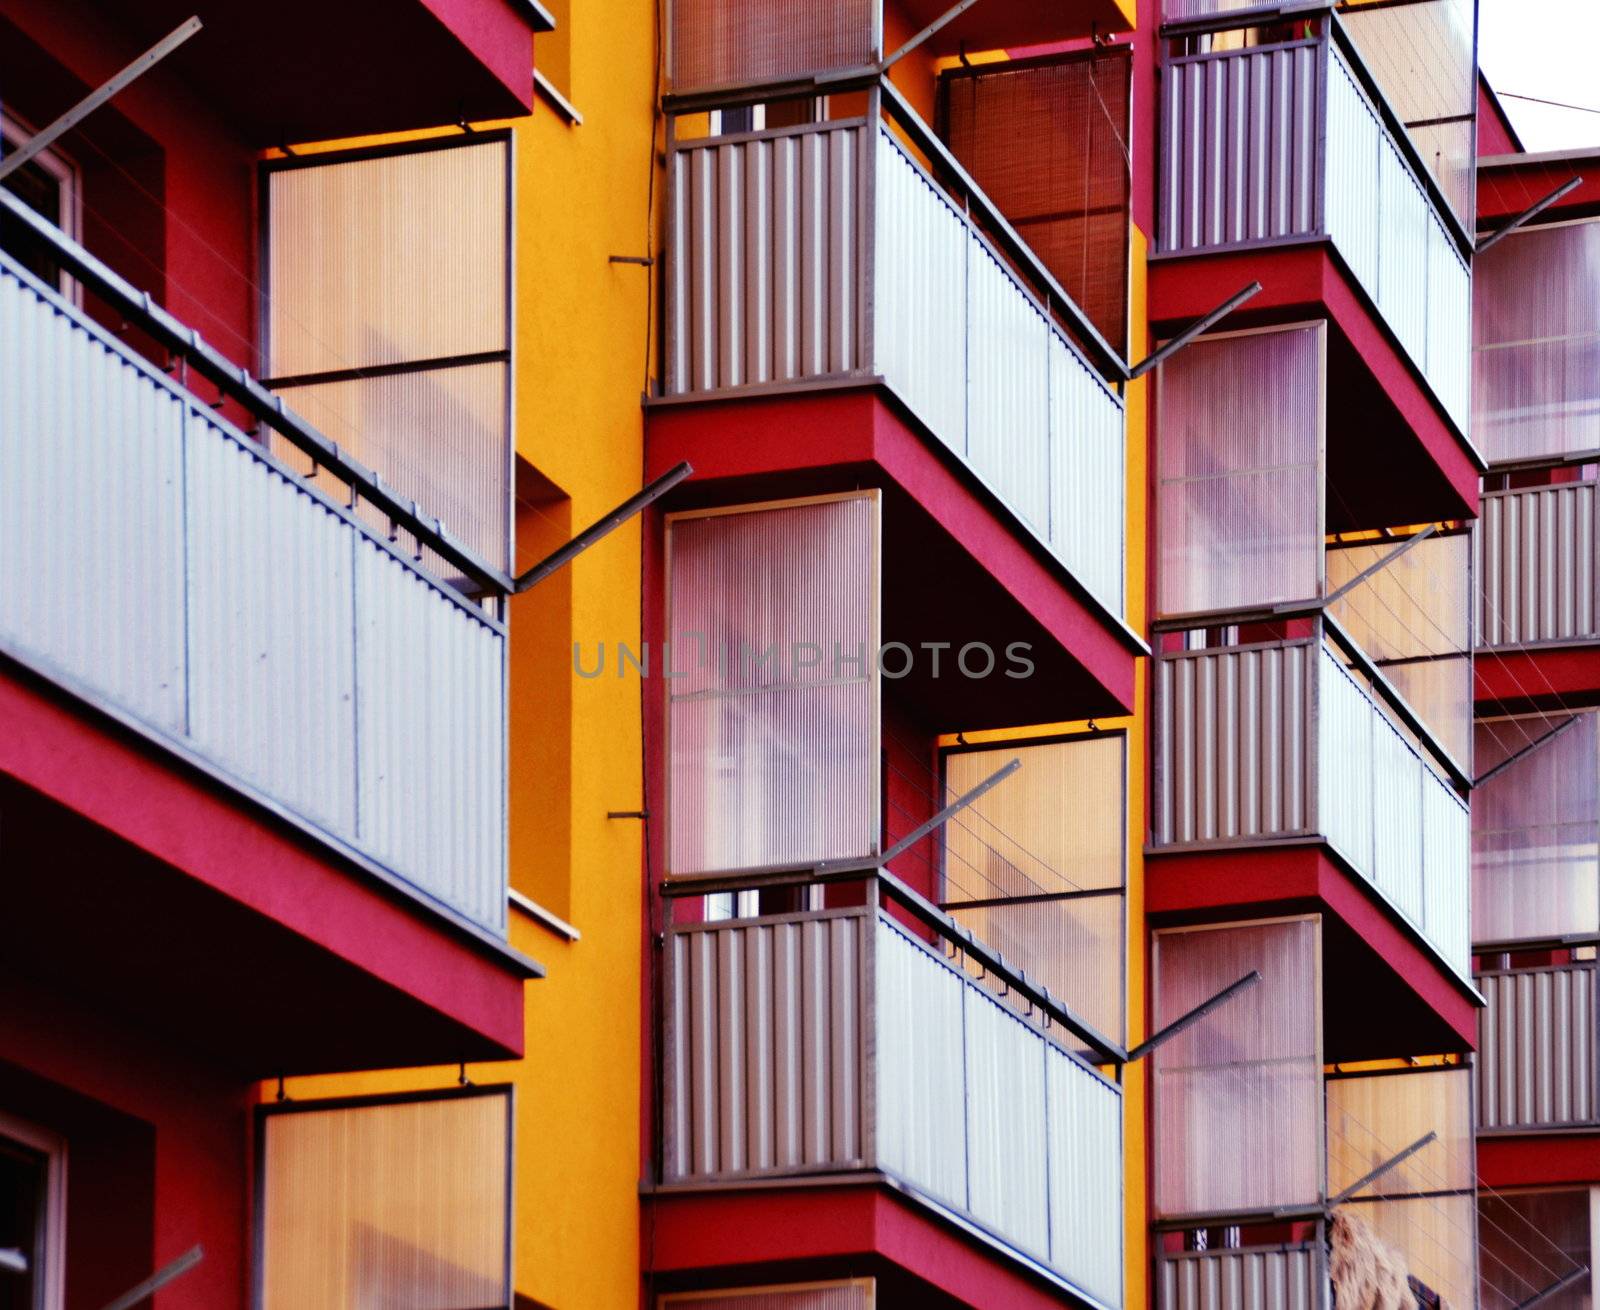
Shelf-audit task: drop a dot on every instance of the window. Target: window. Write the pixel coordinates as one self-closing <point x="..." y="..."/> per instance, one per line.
<point x="388" y="320"/>
<point x="48" y="184"/>
<point x="772" y="716"/>
<point x="33" y="1213"/>
<point x="1036" y="866"/>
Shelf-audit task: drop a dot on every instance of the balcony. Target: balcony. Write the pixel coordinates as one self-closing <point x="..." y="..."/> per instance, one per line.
<point x="1286" y="741"/>
<point x="1537" y="1067"/>
<point x="1257" y="1143"/>
<point x="826" y="255"/>
<point x="835" y="1044"/>
<point x="1539" y="585"/>
<point x="1291" y="143"/>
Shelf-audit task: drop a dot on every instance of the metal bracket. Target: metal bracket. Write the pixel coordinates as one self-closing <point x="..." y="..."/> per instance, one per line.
<point x="1194" y="329"/>
<point x="949" y="16"/>
<point x="185" y="1262"/>
<point x="1560" y="1285"/>
<point x="602" y="528"/>
<point x="1374" y="1174"/>
<point x="949" y="812"/>
<point x="1380" y="565"/>
<point x="1531" y="212"/>
<point x="42" y="140"/>
<point x="1194" y="1016"/>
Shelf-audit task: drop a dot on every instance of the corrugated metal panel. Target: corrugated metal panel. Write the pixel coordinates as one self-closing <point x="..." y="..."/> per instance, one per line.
<point x="856" y="1294"/>
<point x="1239" y="142"/>
<point x="92" y="545"/>
<point x="223" y="603"/>
<point x="920" y="1062"/>
<point x="1232" y="752"/>
<point x="1447" y="873"/>
<point x="1084" y="1149"/>
<point x="1247" y="1278"/>
<point x="1088" y="493"/>
<point x="1536" y="564"/>
<point x="920" y="297"/>
<point x="1396" y="862"/>
<point x="430" y="723"/>
<point x="1398" y="823"/>
<point x="1536" y="1048"/>
<point x="1008" y="414"/>
<point x="764" y="1055"/>
<point x="766" y="248"/>
<point x="1006" y="1179"/>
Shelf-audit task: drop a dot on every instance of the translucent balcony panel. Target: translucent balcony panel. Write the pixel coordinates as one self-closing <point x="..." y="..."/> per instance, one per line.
<point x="1053" y="833"/>
<point x="1423" y="1207"/>
<point x="1517" y="1264"/>
<point x="1239" y="469"/>
<point x="387" y="1203"/>
<point x="1413" y="618"/>
<point x="388" y="301"/>
<point x="1536" y="829"/>
<point x="773" y="723"/>
<point x="1536" y="343"/>
<point x="720" y="43"/>
<point x="1238" y="1096"/>
<point x="1422" y="55"/>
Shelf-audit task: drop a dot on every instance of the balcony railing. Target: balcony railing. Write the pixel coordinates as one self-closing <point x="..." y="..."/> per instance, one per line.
<point x="164" y="566"/>
<point x="1537" y="1040"/>
<point x="1261" y="743"/>
<point x="828" y="254"/>
<point x="1281" y="1277"/>
<point x="1269" y="145"/>
<point x="1537" y="565"/>
<point x="839" y="1042"/>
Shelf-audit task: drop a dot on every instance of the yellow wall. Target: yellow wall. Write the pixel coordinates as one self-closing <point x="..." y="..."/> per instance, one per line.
<point x="583" y="193"/>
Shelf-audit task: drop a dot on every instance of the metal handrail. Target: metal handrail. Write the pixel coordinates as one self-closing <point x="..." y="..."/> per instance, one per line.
<point x="236" y="384"/>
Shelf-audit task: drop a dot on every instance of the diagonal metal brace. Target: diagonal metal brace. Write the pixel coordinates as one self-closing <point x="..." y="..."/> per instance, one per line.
<point x="1380" y="565"/>
<point x="43" y="140"/>
<point x="182" y="1265"/>
<point x="1194" y="329"/>
<point x="1194" y="1016"/>
<point x="949" y="16"/>
<point x="603" y="527"/>
<point x="1527" y="215"/>
<point x="949" y="812"/>
<point x="1560" y="1285"/>
<point x="1541" y="740"/>
<point x="1374" y="1174"/>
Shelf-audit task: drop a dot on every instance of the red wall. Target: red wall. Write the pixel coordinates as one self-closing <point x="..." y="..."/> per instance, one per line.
<point x="157" y="1153"/>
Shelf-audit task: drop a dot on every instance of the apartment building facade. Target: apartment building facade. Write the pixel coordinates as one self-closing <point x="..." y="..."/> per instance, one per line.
<point x="1034" y="819"/>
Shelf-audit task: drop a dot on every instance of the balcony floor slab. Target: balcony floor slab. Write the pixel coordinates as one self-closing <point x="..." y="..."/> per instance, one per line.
<point x="135" y="877"/>
<point x="1548" y="678"/>
<point x="1539" y="1159"/>
<point x="777" y="1234"/>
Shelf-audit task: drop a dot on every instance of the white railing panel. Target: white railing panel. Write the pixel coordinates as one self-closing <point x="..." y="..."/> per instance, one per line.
<point x="1085" y="1153"/>
<point x="234" y="611"/>
<point x="1355" y="141"/>
<point x="1088" y="494"/>
<point x="91" y="510"/>
<point x="1447" y="872"/>
<point x="1345" y="744"/>
<point x="921" y="254"/>
<point x="1006" y="1180"/>
<point x="1402" y="287"/>
<point x="1396" y="865"/>
<point x="1008" y="407"/>
<point x="921" y="1096"/>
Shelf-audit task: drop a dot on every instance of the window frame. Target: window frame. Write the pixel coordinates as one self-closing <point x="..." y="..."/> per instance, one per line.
<point x="50" y="1241"/>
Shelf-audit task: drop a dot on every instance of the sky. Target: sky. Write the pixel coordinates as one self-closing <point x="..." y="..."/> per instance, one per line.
<point x="1546" y="49"/>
